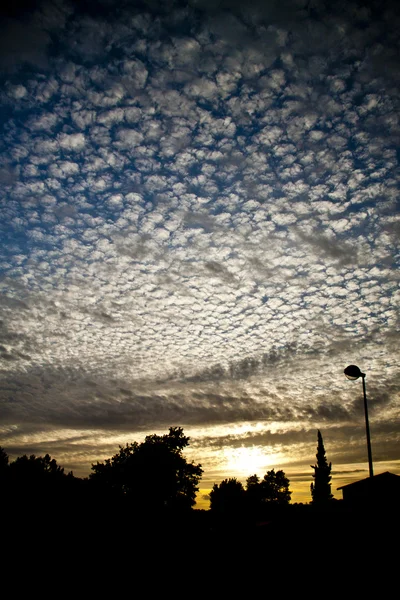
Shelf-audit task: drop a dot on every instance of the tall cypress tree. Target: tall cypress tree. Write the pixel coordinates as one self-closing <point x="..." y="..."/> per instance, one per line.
<point x="321" y="488"/>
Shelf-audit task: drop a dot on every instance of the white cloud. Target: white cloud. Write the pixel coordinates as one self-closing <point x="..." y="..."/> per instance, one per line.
<point x="128" y="138"/>
<point x="137" y="72"/>
<point x="73" y="141"/>
<point x="17" y="91"/>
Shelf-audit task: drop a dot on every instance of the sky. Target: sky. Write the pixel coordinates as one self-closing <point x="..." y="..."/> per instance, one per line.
<point x="199" y="227"/>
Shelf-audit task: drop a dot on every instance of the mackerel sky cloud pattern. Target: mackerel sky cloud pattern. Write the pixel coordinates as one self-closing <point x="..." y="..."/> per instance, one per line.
<point x="199" y="223"/>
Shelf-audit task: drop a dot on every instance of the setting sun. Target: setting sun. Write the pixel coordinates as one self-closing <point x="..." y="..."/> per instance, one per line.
<point x="250" y="461"/>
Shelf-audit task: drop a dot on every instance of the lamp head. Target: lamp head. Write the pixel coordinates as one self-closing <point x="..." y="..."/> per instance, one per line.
<point x="353" y="372"/>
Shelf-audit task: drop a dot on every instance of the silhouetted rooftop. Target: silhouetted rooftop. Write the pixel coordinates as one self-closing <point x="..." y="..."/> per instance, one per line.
<point x="372" y="481"/>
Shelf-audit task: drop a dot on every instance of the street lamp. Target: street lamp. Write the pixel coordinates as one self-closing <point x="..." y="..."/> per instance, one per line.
<point x="353" y="372"/>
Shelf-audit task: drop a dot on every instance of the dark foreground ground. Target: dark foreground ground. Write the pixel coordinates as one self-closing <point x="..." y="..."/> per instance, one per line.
<point x="105" y="543"/>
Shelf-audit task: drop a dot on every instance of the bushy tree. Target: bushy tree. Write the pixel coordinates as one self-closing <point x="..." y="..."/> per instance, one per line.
<point x="254" y="492"/>
<point x="228" y="497"/>
<point x="35" y="479"/>
<point x="272" y="490"/>
<point x="153" y="475"/>
<point x="321" y="487"/>
<point x="35" y="467"/>
<point x="275" y="488"/>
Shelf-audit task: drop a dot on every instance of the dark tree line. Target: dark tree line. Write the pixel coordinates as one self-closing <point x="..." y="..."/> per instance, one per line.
<point x="31" y="474"/>
<point x="152" y="477"/>
<point x="258" y="497"/>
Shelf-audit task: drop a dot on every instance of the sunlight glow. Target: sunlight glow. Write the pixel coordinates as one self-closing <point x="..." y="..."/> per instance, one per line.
<point x="250" y="461"/>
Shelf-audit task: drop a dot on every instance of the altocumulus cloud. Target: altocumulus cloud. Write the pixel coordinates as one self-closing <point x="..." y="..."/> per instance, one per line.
<point x="199" y="227"/>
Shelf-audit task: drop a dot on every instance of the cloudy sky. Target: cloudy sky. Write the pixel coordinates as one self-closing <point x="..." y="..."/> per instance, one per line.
<point x="199" y="227"/>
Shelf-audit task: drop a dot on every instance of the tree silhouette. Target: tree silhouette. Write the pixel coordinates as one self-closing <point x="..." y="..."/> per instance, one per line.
<point x="3" y="460"/>
<point x="254" y="492"/>
<point x="321" y="488"/>
<point x="36" y="468"/>
<point x="4" y="471"/>
<point x="35" y="475"/>
<point x="272" y="489"/>
<point x="35" y="480"/>
<point x="269" y="493"/>
<point x="153" y="475"/>
<point x="275" y="488"/>
<point x="227" y="498"/>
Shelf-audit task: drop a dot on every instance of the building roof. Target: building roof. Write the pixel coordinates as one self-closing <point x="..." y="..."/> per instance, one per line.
<point x="376" y="479"/>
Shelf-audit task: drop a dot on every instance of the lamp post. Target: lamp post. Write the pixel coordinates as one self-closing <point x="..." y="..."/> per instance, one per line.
<point x="352" y="372"/>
